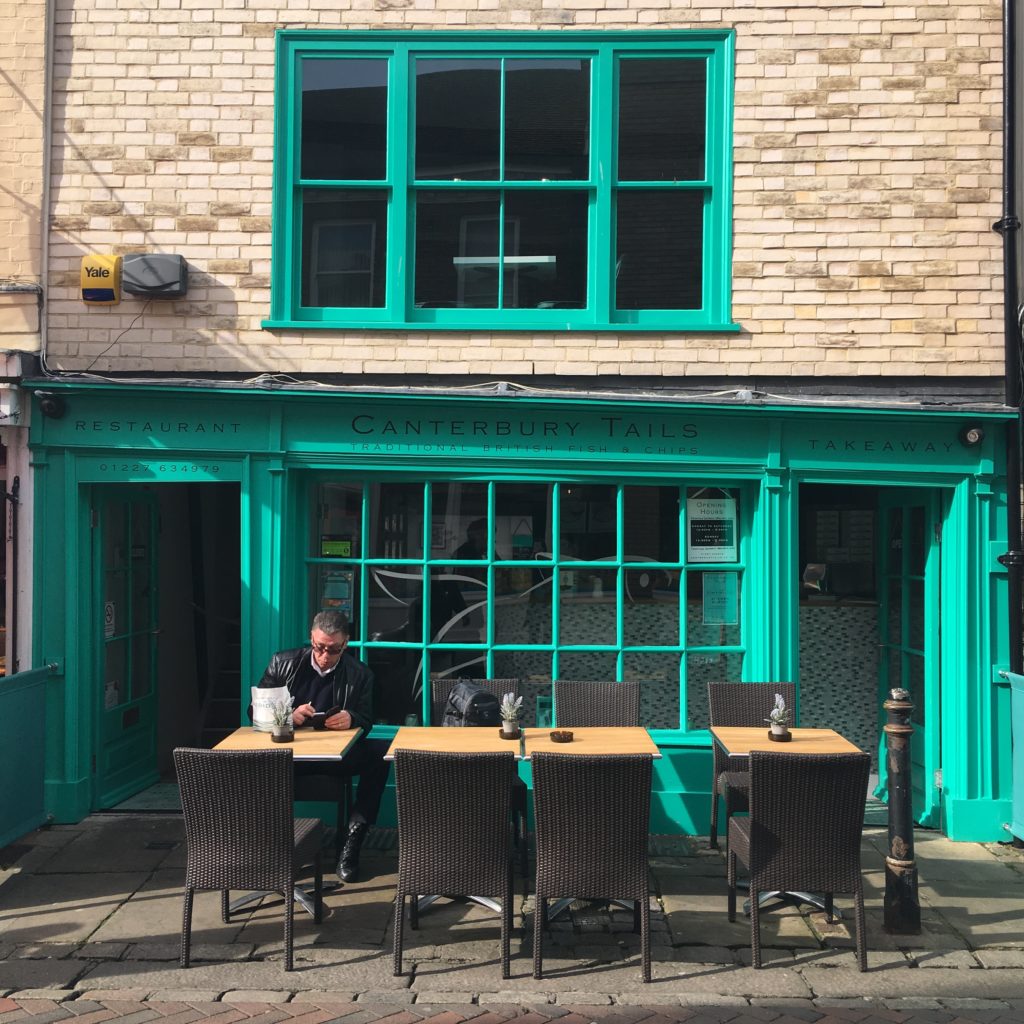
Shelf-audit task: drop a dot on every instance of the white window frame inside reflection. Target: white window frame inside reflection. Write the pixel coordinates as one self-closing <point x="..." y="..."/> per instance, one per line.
<point x="482" y="585"/>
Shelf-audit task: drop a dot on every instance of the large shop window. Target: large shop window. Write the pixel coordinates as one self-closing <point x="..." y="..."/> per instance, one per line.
<point x="537" y="581"/>
<point x="536" y="180"/>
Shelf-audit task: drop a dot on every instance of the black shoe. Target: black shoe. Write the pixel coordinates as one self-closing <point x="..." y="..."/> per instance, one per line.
<point x="348" y="862"/>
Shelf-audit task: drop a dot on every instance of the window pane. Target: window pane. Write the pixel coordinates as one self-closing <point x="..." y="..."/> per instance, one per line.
<point x="650" y="524"/>
<point x="712" y="616"/>
<point x="658" y="675"/>
<point x="546" y="246"/>
<point x="458" y="104"/>
<point x="586" y="607"/>
<point x="142" y="665"/>
<point x="702" y="669"/>
<point x="336" y="526"/>
<point x="456" y="249"/>
<point x="533" y="669"/>
<point x="662" y="120"/>
<point x="458" y="520"/>
<point x="588" y="521"/>
<point x="525" y="509"/>
<point x="648" y="618"/>
<point x="659" y="250"/>
<point x="396" y="520"/>
<point x="595" y="665"/>
<point x="344" y="118"/>
<point x="398" y="682"/>
<point x="547" y="119"/>
<point x="344" y="247"/>
<point x="458" y="610"/>
<point x="523" y="606"/>
<point x="396" y="602"/>
<point x="336" y="589"/>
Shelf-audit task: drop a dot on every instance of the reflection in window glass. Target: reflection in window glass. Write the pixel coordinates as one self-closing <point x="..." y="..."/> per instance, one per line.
<point x="713" y="619"/>
<point x="659" y="249"/>
<point x="335" y="588"/>
<point x="704" y="668"/>
<point x="344" y="247"/>
<point x="344" y="118"/>
<point x="523" y="612"/>
<point x="525" y="509"/>
<point x="395" y="596"/>
<point x="398" y="692"/>
<point x="658" y="675"/>
<point x="586" y="606"/>
<point x="458" y="105"/>
<point x="547" y="119"/>
<point x="588" y="521"/>
<point x="396" y="520"/>
<point x="650" y="617"/>
<point x="596" y="665"/>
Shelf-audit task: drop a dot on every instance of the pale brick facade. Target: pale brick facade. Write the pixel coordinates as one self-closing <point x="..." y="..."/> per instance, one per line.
<point x="21" y="169"/>
<point x="867" y="177"/>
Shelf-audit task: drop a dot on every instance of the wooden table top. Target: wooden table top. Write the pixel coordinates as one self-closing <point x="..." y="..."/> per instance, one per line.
<point x="742" y="740"/>
<point x="472" y="739"/>
<point x="593" y="740"/>
<point x="308" y="745"/>
<point x="486" y="739"/>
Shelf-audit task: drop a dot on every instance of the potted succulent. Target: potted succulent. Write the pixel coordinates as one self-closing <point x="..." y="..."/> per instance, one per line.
<point x="283" y="729"/>
<point x="778" y="719"/>
<point x="511" y="705"/>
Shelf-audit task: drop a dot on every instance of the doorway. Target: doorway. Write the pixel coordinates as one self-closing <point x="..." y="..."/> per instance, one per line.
<point x="869" y="619"/>
<point x="166" y="604"/>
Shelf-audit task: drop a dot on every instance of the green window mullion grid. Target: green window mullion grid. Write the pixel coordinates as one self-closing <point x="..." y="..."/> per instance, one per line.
<point x="400" y="137"/>
<point x="603" y="132"/>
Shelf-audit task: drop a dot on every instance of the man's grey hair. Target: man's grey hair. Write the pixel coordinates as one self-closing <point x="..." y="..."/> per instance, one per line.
<point x="331" y="622"/>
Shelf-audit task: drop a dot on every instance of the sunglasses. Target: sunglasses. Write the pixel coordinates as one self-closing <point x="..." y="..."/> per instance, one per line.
<point x="331" y="649"/>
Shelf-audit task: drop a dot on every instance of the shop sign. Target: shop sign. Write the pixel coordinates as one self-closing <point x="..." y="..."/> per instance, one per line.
<point x="711" y="530"/>
<point x="721" y="599"/>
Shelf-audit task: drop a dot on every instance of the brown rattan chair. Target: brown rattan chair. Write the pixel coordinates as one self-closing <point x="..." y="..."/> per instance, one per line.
<point x="439" y="690"/>
<point x="241" y="833"/>
<point x="582" y="704"/>
<point x="737" y="704"/>
<point x="803" y="832"/>
<point x="592" y="814"/>
<point x="453" y="833"/>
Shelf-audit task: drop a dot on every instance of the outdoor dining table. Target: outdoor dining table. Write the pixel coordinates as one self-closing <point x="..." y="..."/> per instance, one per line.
<point x="738" y="741"/>
<point x="307" y="745"/>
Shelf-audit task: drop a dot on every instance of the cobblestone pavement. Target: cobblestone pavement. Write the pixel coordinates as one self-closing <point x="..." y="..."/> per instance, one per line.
<point x="90" y="917"/>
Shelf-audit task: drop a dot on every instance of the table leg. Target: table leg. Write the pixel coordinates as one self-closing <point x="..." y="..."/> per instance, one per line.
<point x="300" y="895"/>
<point x="557" y="907"/>
<point x="485" y="901"/>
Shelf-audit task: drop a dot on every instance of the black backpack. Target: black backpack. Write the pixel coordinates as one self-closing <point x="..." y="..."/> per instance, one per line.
<point x="470" y="704"/>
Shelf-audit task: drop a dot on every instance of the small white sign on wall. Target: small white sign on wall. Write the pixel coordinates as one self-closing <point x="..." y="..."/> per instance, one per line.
<point x="109" y="620"/>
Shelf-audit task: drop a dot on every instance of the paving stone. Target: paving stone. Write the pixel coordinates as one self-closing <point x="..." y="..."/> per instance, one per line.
<point x="111" y="994"/>
<point x="960" y="958"/>
<point x="121" y="844"/>
<point x="514" y="998"/>
<point x="186" y="995"/>
<point x="386" y="996"/>
<point x="55" y="994"/>
<point x="26" y="974"/>
<point x="444" y="997"/>
<point x="237" y="996"/>
<point x="998" y="958"/>
<point x="1008" y="983"/>
<point x="100" y="951"/>
<point x="574" y="998"/>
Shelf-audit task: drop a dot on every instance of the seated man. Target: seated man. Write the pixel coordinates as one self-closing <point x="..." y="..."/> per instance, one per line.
<point x="321" y="677"/>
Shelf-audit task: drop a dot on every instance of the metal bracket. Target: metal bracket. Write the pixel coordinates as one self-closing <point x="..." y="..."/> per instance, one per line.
<point x="1007" y="223"/>
<point x="1011" y="559"/>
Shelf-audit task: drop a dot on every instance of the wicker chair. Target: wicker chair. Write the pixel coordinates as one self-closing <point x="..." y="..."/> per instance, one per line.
<point x="592" y="815"/>
<point x="579" y="704"/>
<point x="737" y="704"/>
<point x="439" y="690"/>
<point x="241" y="832"/>
<point x="803" y="832"/>
<point x="453" y="833"/>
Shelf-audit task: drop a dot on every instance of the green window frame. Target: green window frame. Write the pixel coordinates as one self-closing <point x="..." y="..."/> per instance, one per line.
<point x="614" y="238"/>
<point x="383" y="552"/>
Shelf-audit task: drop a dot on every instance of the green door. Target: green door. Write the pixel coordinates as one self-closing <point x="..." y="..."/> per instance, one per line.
<point x="124" y="552"/>
<point x="909" y="632"/>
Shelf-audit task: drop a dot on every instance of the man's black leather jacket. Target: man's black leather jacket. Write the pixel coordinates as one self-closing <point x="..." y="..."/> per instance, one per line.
<point x="352" y="682"/>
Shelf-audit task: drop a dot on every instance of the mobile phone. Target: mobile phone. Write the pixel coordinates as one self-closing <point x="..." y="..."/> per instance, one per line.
<point x="321" y="717"/>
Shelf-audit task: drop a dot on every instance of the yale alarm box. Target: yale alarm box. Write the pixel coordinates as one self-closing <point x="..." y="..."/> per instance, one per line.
<point x="101" y="280"/>
<point x="155" y="275"/>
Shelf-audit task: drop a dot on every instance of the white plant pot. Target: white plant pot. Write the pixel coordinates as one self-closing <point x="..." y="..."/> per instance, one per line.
<point x="509" y="728"/>
<point x="779" y="730"/>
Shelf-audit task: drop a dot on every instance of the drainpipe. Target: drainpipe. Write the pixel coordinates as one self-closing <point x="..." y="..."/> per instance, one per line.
<point x="1009" y="227"/>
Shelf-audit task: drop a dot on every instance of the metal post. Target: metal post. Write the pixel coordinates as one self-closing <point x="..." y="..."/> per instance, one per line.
<point x="902" y="906"/>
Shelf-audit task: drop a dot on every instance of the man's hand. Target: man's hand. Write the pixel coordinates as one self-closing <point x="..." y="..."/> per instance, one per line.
<point x="339" y="722"/>
<point x="302" y="714"/>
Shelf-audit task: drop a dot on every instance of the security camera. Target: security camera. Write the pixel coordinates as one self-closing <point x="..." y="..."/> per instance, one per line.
<point x="51" y="405"/>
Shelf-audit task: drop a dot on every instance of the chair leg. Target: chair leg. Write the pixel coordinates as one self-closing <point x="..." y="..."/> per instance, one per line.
<point x="644" y="903"/>
<point x="399" y="921"/>
<point x="414" y="912"/>
<point x="186" y="928"/>
<point x="289" y="919"/>
<point x="713" y="830"/>
<point x="862" y="949"/>
<point x="755" y="927"/>
<point x="506" y="928"/>
<point x="318" y="889"/>
<point x="540" y="912"/>
<point x="829" y="907"/>
<point x="225" y="906"/>
<point x="524" y="845"/>
<point x="638" y="924"/>
<point x="731" y="879"/>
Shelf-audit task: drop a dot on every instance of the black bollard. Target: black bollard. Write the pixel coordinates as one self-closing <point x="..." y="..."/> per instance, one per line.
<point x="902" y="906"/>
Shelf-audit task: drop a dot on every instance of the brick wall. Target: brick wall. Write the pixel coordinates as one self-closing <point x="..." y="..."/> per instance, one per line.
<point x="867" y="148"/>
<point x="21" y="167"/>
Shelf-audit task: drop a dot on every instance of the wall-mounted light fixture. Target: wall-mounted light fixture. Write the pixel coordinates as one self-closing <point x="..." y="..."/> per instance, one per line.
<point x="972" y="436"/>
<point x="51" y="405"/>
